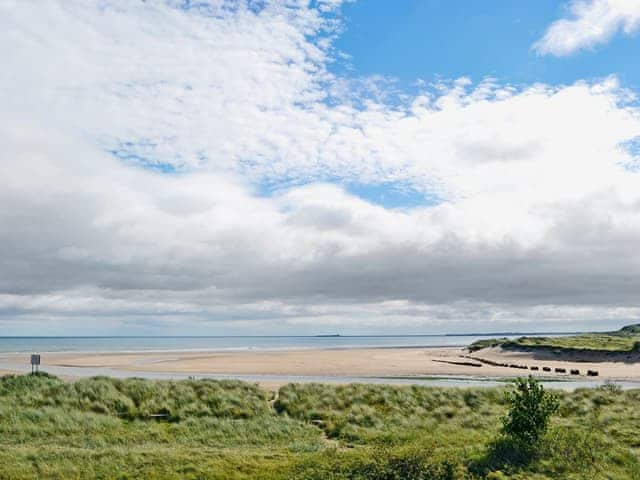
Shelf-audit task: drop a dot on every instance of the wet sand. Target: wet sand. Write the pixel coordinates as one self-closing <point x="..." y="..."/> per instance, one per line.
<point x="365" y="362"/>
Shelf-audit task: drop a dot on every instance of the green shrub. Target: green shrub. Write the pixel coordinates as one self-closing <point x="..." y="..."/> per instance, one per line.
<point x="530" y="408"/>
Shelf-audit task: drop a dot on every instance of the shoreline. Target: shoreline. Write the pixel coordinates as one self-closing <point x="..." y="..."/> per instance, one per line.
<point x="433" y="365"/>
<point x="184" y="344"/>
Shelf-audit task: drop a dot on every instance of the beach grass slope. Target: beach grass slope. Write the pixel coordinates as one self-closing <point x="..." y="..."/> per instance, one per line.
<point x="205" y="429"/>
<point x="625" y="340"/>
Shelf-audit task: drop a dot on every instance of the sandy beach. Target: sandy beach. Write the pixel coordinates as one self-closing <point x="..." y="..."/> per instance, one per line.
<point x="365" y="362"/>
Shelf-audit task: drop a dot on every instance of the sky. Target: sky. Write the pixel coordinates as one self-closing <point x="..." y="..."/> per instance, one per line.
<point x="243" y="167"/>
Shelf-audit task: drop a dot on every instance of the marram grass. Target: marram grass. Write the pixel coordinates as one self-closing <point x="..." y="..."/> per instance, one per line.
<point x="108" y="428"/>
<point x="623" y="341"/>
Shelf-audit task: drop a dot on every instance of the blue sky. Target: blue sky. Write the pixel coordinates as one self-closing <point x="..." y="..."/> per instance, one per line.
<point x="433" y="40"/>
<point x="426" y="39"/>
<point x="329" y="166"/>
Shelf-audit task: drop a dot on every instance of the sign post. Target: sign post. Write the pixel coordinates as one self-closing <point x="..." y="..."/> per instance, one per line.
<point x="35" y="363"/>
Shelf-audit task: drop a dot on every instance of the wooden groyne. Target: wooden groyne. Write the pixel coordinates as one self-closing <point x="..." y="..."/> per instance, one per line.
<point x="535" y="368"/>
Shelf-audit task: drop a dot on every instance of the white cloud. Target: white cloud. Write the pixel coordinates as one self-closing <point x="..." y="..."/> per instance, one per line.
<point x="590" y="23"/>
<point x="539" y="220"/>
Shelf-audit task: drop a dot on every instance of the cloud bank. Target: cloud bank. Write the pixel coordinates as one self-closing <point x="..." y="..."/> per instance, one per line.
<point x="137" y="138"/>
<point x="589" y="23"/>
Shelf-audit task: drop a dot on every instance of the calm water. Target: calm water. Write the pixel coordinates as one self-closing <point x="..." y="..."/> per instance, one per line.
<point x="128" y="344"/>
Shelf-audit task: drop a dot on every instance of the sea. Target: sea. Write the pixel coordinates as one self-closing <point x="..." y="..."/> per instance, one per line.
<point x="218" y="343"/>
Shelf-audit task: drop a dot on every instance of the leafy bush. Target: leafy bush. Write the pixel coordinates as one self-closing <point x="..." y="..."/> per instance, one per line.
<point x="530" y="408"/>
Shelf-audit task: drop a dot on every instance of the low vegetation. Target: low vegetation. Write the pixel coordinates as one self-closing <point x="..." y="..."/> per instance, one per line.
<point x="625" y="340"/>
<point x="489" y="343"/>
<point x="530" y="409"/>
<point x="109" y="428"/>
